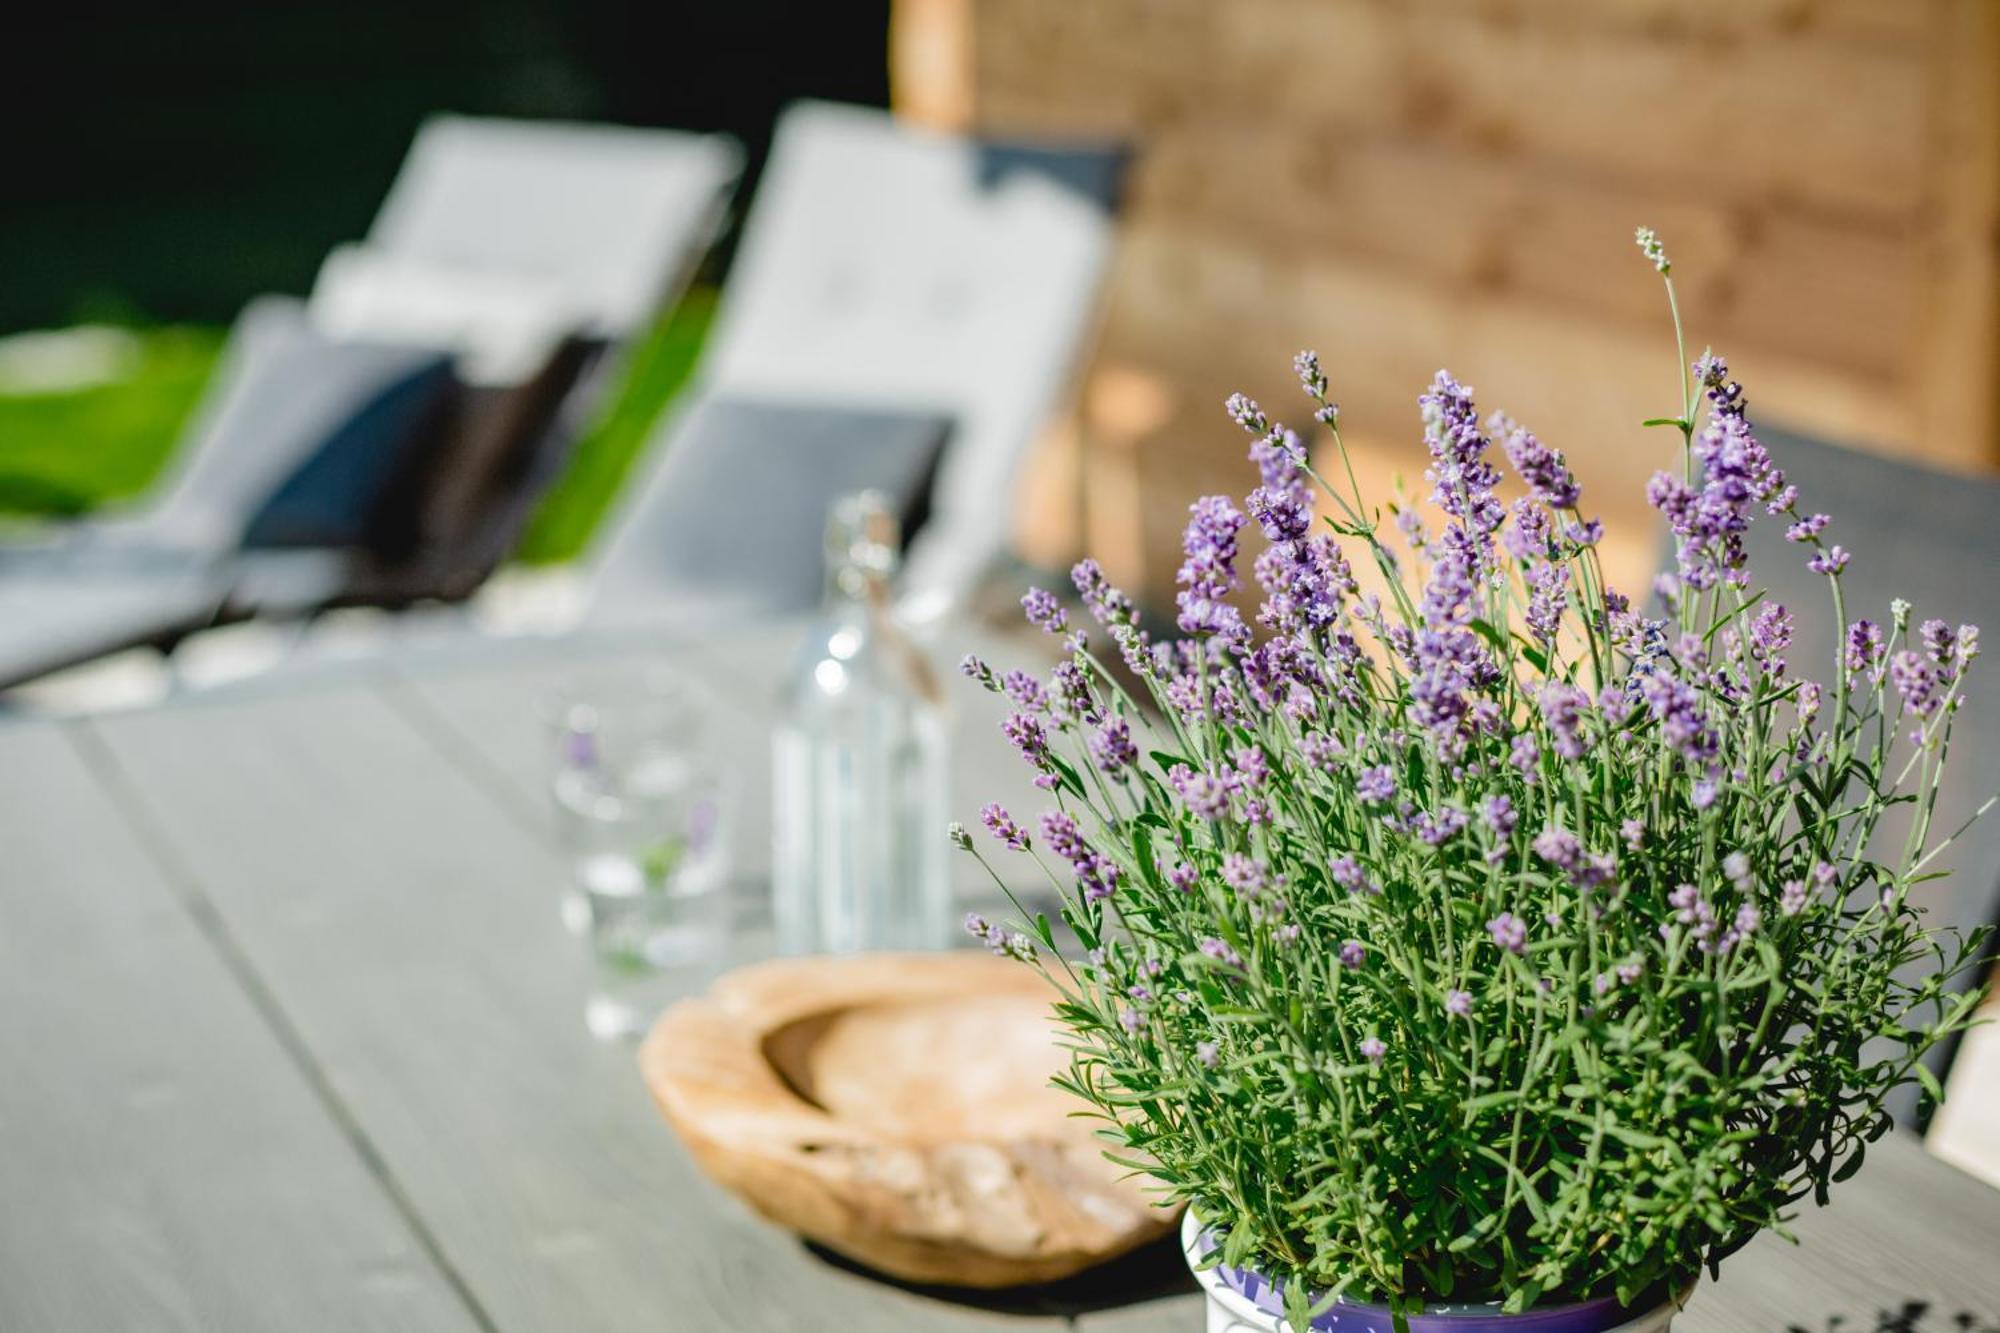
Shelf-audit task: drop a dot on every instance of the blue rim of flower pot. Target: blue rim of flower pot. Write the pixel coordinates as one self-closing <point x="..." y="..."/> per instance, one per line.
<point x="1267" y="1297"/>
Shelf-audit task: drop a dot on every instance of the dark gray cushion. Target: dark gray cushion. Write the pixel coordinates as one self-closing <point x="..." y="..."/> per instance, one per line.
<point x="734" y="516"/>
<point x="348" y="491"/>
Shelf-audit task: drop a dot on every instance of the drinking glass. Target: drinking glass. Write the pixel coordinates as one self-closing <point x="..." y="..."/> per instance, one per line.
<point x="640" y="807"/>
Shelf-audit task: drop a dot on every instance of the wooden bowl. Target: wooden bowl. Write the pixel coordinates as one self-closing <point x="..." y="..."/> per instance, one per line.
<point x="896" y="1108"/>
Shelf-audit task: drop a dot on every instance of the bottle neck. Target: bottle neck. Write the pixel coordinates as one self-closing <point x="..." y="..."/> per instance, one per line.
<point x="853" y="584"/>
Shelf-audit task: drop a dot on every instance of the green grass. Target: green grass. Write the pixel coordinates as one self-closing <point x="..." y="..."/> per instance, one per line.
<point x="658" y="367"/>
<point x="69" y="452"/>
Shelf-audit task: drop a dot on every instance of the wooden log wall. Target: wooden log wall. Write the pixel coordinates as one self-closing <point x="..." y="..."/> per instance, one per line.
<point x="1404" y="184"/>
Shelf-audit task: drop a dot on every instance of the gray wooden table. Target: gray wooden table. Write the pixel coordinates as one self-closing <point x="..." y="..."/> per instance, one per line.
<point x="290" y="1038"/>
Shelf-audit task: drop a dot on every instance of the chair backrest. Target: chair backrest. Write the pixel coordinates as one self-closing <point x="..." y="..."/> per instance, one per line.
<point x="1934" y="540"/>
<point x="731" y="523"/>
<point x="886" y="265"/>
<point x="280" y="392"/>
<point x="611" y="215"/>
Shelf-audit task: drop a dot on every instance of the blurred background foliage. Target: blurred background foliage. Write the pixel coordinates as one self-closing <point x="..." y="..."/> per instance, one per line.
<point x="168" y="164"/>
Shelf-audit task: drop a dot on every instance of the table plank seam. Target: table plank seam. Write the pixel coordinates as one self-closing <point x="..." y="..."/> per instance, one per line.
<point x="423" y="718"/>
<point x="157" y="844"/>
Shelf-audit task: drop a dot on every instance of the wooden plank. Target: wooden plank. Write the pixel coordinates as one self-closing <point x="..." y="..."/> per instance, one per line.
<point x="1904" y="26"/>
<point x="1840" y="294"/>
<point x="1956" y="361"/>
<point x="1907" y="1229"/>
<point x="1749" y="120"/>
<point x="404" y="921"/>
<point x="1204" y="317"/>
<point x="164" y="1163"/>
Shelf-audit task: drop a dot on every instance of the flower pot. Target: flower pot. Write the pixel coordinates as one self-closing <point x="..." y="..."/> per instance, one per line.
<point x="1240" y="1300"/>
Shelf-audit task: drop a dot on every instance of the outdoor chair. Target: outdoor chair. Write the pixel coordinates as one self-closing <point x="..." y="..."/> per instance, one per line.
<point x="889" y="269"/>
<point x="731" y="524"/>
<point x="533" y="252"/>
<point x="509" y="262"/>
<point x="285" y="403"/>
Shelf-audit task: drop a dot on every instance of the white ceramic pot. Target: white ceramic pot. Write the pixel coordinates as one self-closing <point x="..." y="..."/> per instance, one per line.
<point x="1241" y="1301"/>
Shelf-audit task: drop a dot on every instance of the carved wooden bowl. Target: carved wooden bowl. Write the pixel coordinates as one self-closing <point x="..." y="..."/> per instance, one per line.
<point x="896" y="1108"/>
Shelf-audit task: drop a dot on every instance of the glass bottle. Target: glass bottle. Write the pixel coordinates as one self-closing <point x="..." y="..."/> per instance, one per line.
<point x="860" y="764"/>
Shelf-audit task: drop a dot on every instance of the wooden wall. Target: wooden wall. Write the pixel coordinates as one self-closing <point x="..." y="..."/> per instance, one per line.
<point x="1404" y="184"/>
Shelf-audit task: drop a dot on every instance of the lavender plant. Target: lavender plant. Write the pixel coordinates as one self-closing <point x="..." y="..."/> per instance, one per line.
<point x="1489" y="939"/>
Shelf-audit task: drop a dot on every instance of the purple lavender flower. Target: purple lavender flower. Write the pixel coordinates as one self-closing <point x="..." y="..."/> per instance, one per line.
<point x="1245" y="413"/>
<point x="1736" y="470"/>
<point x="1376" y="785"/>
<point x="1207" y="1053"/>
<point x="973" y="667"/>
<point x="1005" y="945"/>
<point x="1692" y="910"/>
<point x="1462" y="480"/>
<point x="1208" y="574"/>
<point x="1564" y="708"/>
<point x="1372" y="1050"/>
<point x="1525" y="754"/>
<point x="1458" y="1002"/>
<point x="1073" y="695"/>
<point x="1106" y="604"/>
<point x="1183" y="877"/>
<point x="1499" y="816"/>
<point x="1559" y="847"/>
<point x="1770" y="636"/>
<point x="1025" y="691"/>
<point x="1353" y="954"/>
<point x="1808" y="528"/>
<point x="1111" y="746"/>
<point x="1026" y="735"/>
<point x="1948" y="650"/>
<point x="1615" y="706"/>
<point x="1306" y="366"/>
<point x="1509" y="932"/>
<point x="1747" y="921"/>
<point x="1349" y="875"/>
<point x="1221" y="952"/>
<point x="1002" y="826"/>
<point x="1131" y="1020"/>
<point x="1284" y="517"/>
<point x="1245" y="874"/>
<point x="1633" y="831"/>
<point x="1829" y="561"/>
<point x="1044" y="611"/>
<point x="1063" y="837"/>
<point x="1918" y="683"/>
<point x="1540" y="468"/>
<point x="1252" y="768"/>
<point x="1439" y="828"/>
<point x="1548" y="593"/>
<point x="1321" y="750"/>
<point x="1205" y="795"/>
<point x="1684" y="724"/>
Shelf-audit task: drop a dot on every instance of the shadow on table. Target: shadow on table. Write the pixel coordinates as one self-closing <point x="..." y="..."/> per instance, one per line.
<point x="1909" y="1317"/>
<point x="1149" y="1273"/>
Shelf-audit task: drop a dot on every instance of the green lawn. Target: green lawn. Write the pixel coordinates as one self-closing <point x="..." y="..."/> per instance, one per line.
<point x="657" y="368"/>
<point x="69" y="452"/>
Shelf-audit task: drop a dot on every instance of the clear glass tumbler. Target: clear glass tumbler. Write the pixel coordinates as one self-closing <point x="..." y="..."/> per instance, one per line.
<point x="640" y="807"/>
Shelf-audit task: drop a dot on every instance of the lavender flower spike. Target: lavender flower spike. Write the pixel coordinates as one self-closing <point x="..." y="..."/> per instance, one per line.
<point x="1655" y="252"/>
<point x="1044" y="611"/>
